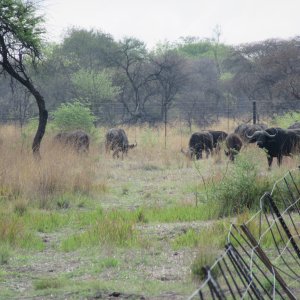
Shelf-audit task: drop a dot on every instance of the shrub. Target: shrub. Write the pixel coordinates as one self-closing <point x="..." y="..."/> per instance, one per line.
<point x="242" y="187"/>
<point x="71" y="116"/>
<point x="287" y="119"/>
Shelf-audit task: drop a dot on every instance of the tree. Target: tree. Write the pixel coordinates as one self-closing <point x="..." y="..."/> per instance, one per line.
<point x="20" y="41"/>
<point x="134" y="76"/>
<point x="96" y="88"/>
<point x="267" y="71"/>
<point x="170" y="80"/>
<point x="202" y="93"/>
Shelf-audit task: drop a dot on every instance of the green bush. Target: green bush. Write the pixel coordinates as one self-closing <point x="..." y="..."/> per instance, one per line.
<point x="284" y="121"/>
<point x="71" y="116"/>
<point x="242" y="187"/>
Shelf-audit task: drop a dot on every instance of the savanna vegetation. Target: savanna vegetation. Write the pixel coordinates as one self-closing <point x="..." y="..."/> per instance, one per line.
<point x="88" y="226"/>
<point x="75" y="226"/>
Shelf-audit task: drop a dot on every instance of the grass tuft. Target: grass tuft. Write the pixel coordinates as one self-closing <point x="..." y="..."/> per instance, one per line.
<point x="206" y="257"/>
<point x="49" y="283"/>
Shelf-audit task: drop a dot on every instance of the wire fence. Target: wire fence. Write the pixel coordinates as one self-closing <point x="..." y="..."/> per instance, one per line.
<point x="199" y="112"/>
<point x="261" y="259"/>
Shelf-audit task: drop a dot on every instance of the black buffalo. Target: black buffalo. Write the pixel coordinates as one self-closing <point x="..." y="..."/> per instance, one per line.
<point x="245" y="130"/>
<point x="117" y="141"/>
<point x="295" y="126"/>
<point x="200" y="141"/>
<point x="277" y="142"/>
<point x="233" y="144"/>
<point x="218" y="137"/>
<point x="78" y="140"/>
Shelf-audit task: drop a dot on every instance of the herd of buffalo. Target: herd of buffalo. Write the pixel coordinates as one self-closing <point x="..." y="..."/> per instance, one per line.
<point x="277" y="142"/>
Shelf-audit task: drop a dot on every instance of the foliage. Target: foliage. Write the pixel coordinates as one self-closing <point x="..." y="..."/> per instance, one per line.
<point x="200" y="49"/>
<point x="95" y="85"/>
<point x="71" y="116"/>
<point x="242" y="186"/>
<point x="19" y="23"/>
<point x="286" y="119"/>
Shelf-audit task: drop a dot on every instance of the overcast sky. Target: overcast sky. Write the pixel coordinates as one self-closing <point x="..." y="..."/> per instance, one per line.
<point x="153" y="21"/>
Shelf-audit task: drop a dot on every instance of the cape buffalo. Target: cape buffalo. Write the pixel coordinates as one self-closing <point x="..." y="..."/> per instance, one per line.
<point x="116" y="140"/>
<point x="277" y="142"/>
<point x="199" y="141"/>
<point x="244" y="130"/>
<point x="77" y="139"/>
<point x="218" y="137"/>
<point x="234" y="145"/>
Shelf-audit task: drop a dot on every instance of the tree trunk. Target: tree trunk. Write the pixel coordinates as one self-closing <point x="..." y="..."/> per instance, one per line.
<point x="25" y="81"/>
<point x="43" y="117"/>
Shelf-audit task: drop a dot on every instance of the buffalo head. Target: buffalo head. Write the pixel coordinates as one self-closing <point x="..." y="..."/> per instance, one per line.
<point x="261" y="137"/>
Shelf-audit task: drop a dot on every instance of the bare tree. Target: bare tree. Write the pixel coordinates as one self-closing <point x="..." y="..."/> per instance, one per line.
<point x="170" y="76"/>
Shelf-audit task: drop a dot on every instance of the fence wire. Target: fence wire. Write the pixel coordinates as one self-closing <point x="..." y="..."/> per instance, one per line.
<point x="261" y="259"/>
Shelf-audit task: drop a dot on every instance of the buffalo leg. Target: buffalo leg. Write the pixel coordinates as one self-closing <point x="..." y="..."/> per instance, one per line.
<point x="279" y="160"/>
<point x="207" y="151"/>
<point x="270" y="160"/>
<point x="116" y="153"/>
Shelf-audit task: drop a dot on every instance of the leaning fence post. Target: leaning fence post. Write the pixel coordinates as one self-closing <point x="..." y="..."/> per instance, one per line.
<point x="214" y="287"/>
<point x="283" y="224"/>
<point x="264" y="258"/>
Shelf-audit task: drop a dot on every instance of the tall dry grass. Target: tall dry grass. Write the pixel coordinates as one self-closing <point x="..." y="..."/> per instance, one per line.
<point x="59" y="171"/>
<point x="63" y="171"/>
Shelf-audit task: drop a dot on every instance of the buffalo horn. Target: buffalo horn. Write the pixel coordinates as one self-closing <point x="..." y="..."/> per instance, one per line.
<point x="256" y="133"/>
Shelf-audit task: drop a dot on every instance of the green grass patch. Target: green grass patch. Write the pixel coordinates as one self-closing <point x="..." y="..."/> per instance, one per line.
<point x="206" y="257"/>
<point x="49" y="283"/>
<point x="109" y="262"/>
<point x="5" y="254"/>
<point x="181" y="213"/>
<point x="50" y="221"/>
<point x="15" y="234"/>
<point x="213" y="235"/>
<point x="168" y="214"/>
<point x="108" y="231"/>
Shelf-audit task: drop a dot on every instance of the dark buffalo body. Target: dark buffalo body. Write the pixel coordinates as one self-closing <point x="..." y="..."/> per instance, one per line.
<point x="244" y="130"/>
<point x="218" y="137"/>
<point x="200" y="141"/>
<point x="116" y="140"/>
<point x="78" y="139"/>
<point x="233" y="144"/>
<point x="277" y="142"/>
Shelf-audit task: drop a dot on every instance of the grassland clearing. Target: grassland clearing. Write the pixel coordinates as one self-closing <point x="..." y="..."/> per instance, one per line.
<point x="81" y="227"/>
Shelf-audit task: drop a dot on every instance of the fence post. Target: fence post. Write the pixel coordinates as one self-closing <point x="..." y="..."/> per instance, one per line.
<point x="254" y="111"/>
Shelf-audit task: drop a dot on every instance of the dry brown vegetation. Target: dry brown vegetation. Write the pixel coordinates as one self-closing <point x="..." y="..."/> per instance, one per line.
<point x="143" y="216"/>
